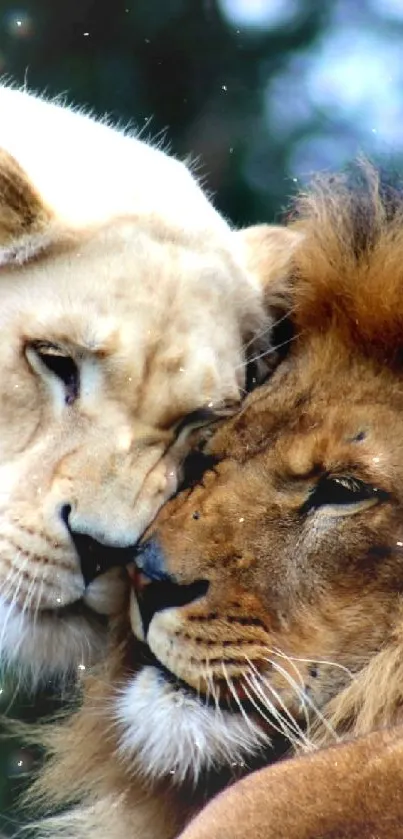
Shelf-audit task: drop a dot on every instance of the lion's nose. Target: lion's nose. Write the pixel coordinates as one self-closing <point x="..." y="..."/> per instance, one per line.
<point x="155" y="588"/>
<point x="96" y="557"/>
<point x="149" y="559"/>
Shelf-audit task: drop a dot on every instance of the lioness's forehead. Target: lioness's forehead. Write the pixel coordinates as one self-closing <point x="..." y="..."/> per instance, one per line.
<point x="161" y="318"/>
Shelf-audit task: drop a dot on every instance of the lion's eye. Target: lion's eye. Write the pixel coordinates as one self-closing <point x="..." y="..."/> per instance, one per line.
<point x="60" y="364"/>
<point x="342" y="492"/>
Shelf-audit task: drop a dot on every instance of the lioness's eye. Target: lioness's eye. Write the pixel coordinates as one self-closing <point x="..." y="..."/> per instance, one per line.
<point x="341" y="491"/>
<point x="203" y="417"/>
<point x="63" y="366"/>
<point x="265" y="357"/>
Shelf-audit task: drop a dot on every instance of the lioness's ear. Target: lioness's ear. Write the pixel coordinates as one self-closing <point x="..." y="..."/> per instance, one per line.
<point x="25" y="222"/>
<point x="268" y="252"/>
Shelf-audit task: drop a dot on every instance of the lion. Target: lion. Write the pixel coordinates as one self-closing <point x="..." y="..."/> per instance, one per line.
<point x="349" y="791"/>
<point x="128" y="311"/>
<point x="266" y="596"/>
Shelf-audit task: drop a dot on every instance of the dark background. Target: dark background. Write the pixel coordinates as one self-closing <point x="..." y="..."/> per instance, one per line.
<point x="262" y="92"/>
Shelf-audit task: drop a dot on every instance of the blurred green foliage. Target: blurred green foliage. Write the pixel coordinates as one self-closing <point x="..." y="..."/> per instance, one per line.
<point x="173" y="67"/>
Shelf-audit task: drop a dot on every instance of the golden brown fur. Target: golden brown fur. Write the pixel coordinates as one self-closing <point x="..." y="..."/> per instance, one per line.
<point x="268" y="596"/>
<point x="350" y="791"/>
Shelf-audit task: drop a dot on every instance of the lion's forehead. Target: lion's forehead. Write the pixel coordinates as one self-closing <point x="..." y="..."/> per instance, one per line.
<point x="316" y="410"/>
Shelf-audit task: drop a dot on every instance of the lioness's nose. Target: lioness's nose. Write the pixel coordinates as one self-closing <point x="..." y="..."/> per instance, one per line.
<point x="95" y="557"/>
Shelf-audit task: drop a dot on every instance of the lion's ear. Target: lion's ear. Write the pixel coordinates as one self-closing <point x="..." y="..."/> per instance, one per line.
<point x="268" y="252"/>
<point x="25" y="222"/>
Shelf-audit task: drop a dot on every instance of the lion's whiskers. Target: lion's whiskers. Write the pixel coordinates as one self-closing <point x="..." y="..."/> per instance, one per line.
<point x="275" y="720"/>
<point x="302" y="694"/>
<point x="291" y="722"/>
<point x="235" y="696"/>
<point x="328" y="662"/>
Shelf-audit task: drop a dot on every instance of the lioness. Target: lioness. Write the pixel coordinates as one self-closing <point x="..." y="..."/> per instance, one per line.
<point x="268" y="596"/>
<point x="127" y="311"/>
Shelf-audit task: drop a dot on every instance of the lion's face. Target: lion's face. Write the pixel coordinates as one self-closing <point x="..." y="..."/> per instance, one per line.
<point x="117" y="342"/>
<point x="268" y="586"/>
<point x="269" y="596"/>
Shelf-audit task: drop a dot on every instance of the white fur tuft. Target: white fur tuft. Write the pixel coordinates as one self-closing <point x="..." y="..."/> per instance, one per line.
<point x="167" y="732"/>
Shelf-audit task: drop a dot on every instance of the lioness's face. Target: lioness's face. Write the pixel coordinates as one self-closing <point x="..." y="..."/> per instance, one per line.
<point x="265" y="588"/>
<point x="116" y="346"/>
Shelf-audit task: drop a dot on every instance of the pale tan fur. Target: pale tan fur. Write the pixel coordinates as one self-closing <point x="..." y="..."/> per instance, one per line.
<point x="158" y="319"/>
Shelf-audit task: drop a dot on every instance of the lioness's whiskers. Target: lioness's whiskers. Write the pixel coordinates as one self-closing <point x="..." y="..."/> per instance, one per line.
<point x="9" y="576"/>
<point x="31" y="588"/>
<point x="17" y="588"/>
<point x="38" y="600"/>
<point x="267" y="329"/>
<point x="270" y="350"/>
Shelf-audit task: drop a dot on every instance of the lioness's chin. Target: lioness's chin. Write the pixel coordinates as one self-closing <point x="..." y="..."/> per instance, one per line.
<point x="50" y="645"/>
<point x="57" y="644"/>
<point x="168" y="731"/>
